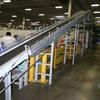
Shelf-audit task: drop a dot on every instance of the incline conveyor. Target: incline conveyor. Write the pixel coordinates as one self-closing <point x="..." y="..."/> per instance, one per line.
<point x="18" y="48"/>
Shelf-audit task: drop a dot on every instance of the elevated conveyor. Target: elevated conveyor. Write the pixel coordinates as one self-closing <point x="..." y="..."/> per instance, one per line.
<point x="18" y="48"/>
<point x="17" y="54"/>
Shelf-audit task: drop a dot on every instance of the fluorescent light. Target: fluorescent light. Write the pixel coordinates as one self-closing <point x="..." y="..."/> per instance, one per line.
<point x="6" y="1"/>
<point x="96" y="12"/>
<point x="28" y="19"/>
<point x="59" y="7"/>
<point x="52" y="18"/>
<point x="28" y="9"/>
<point x="66" y="13"/>
<point x="12" y="20"/>
<point x="41" y="14"/>
<point x="14" y="16"/>
<point x="95" y="5"/>
<point x="9" y="23"/>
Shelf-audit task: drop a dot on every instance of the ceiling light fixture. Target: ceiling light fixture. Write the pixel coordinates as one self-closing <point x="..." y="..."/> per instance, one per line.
<point x="59" y="7"/>
<point x="95" y="5"/>
<point x="28" y="19"/>
<point x="6" y="1"/>
<point x="52" y="18"/>
<point x="66" y="13"/>
<point x="41" y="14"/>
<point x="12" y="20"/>
<point x="14" y="16"/>
<point x="9" y="23"/>
<point x="28" y="9"/>
<point x="96" y="12"/>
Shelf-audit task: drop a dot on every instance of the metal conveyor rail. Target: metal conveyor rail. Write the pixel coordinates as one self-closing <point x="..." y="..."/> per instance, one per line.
<point x="12" y="52"/>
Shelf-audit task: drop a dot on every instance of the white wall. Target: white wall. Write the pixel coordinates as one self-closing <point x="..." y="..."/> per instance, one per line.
<point x="22" y="33"/>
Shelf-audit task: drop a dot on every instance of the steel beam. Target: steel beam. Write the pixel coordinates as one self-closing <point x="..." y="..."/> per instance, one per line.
<point x="8" y="90"/>
<point x="69" y="8"/>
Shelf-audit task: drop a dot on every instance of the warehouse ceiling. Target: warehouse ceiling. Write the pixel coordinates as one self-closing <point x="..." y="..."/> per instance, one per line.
<point x="44" y="7"/>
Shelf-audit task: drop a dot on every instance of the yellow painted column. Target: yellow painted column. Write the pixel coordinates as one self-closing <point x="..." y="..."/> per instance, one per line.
<point x="43" y="69"/>
<point x="32" y="69"/>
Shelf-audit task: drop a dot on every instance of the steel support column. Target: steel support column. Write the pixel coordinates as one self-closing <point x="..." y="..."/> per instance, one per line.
<point x="83" y="41"/>
<point x="26" y="74"/>
<point x="51" y="61"/>
<point x="77" y="39"/>
<point x="65" y="51"/>
<point x="8" y="90"/>
<point x="69" y="8"/>
<point x="74" y="50"/>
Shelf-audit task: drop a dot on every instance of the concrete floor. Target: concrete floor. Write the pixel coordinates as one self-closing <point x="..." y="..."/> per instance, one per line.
<point x="78" y="82"/>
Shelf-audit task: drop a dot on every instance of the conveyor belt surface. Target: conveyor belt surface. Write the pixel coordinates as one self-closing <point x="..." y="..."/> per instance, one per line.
<point x="32" y="40"/>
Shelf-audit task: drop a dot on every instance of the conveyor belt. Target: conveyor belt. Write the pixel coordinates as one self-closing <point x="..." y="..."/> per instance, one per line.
<point x="7" y="55"/>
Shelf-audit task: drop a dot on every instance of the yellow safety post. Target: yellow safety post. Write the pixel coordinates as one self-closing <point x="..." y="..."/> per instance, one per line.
<point x="43" y="69"/>
<point x="32" y="69"/>
<point x="59" y="56"/>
